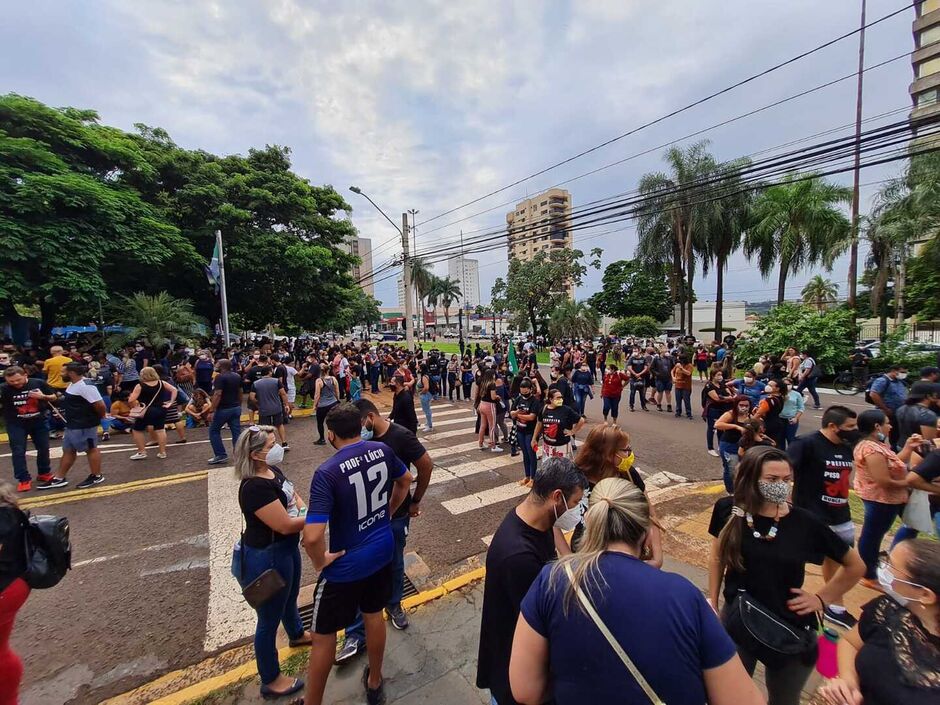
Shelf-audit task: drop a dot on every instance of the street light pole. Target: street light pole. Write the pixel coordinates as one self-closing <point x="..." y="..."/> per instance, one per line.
<point x="463" y="292"/>
<point x="406" y="264"/>
<point x="414" y="253"/>
<point x="853" y="252"/>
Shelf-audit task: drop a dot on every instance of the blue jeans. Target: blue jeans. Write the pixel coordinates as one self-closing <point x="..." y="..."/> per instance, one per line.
<point x="581" y="394"/>
<point x="374" y="378"/>
<point x="357" y="630"/>
<point x="906" y="532"/>
<point x="105" y="421"/>
<point x="18" y="432"/>
<point x="792" y="430"/>
<point x="878" y="520"/>
<point x="426" y="408"/>
<point x="284" y="557"/>
<point x="529" y="461"/>
<point x="231" y="416"/>
<point x="684" y="395"/>
<point x="611" y="406"/>
<point x="729" y="461"/>
<point x="810" y="384"/>
<point x="642" y="392"/>
<point x="437" y="380"/>
<point x="711" y="416"/>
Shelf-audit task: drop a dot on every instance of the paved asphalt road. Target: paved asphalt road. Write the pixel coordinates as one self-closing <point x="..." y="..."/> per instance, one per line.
<point x="150" y="590"/>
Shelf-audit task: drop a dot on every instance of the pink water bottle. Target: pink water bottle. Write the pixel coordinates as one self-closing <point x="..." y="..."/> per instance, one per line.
<point x="827" y="663"/>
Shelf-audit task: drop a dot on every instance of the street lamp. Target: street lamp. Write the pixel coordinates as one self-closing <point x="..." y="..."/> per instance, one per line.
<point x="406" y="264"/>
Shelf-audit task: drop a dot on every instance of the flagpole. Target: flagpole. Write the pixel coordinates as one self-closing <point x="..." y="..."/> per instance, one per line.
<point x="218" y="244"/>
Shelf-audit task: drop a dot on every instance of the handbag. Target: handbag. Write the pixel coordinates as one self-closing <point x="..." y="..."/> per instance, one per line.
<point x="917" y="513"/>
<point x="612" y="640"/>
<point x="266" y="585"/>
<point x="138" y="412"/>
<point x="756" y="629"/>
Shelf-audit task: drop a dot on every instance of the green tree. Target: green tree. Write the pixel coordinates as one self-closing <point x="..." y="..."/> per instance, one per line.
<point x="573" y="319"/>
<point x="632" y="288"/>
<point x="448" y="290"/>
<point x="422" y="280"/>
<point x="673" y="212"/>
<point x="797" y="224"/>
<point x="359" y="309"/>
<point x="159" y="320"/>
<point x="67" y="217"/>
<point x="639" y="326"/>
<point x="498" y="302"/>
<point x="826" y="335"/>
<point x="923" y="282"/>
<point x="820" y="293"/>
<point x="535" y="287"/>
<point x="726" y="219"/>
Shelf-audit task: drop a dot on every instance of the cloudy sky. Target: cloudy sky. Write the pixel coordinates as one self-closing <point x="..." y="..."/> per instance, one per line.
<point x="431" y="104"/>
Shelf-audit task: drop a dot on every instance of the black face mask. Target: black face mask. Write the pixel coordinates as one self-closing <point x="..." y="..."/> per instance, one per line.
<point x="850" y="437"/>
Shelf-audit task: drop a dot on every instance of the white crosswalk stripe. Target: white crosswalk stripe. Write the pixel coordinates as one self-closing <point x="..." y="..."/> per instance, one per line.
<point x="438" y="453"/>
<point x="451" y="412"/>
<point x="478" y="500"/>
<point x="451" y="422"/>
<point x="441" y="435"/>
<point x="474" y="467"/>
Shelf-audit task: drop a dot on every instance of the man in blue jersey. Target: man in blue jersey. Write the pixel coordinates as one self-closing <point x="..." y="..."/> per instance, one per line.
<point x="356" y="492"/>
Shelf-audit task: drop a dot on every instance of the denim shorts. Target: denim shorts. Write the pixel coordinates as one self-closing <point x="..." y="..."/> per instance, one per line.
<point x="80" y="440"/>
<point x="845" y="531"/>
<point x="663" y="385"/>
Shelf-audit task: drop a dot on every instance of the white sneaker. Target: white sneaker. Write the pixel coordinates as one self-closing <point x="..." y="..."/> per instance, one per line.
<point x="714" y="453"/>
<point x="496" y="449"/>
<point x="162" y="456"/>
<point x="138" y="456"/>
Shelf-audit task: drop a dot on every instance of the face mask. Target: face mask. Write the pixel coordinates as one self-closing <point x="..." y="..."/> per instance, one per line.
<point x="886" y="579"/>
<point x="275" y="454"/>
<point x="749" y="380"/>
<point x="880" y="436"/>
<point x="556" y="403"/>
<point x="776" y="492"/>
<point x="768" y="389"/>
<point x="743" y="410"/>
<point x="851" y="437"/>
<point x="569" y="519"/>
<point x="626" y="463"/>
<point x="902" y="375"/>
<point x="366" y="433"/>
<point x="330" y="438"/>
<point x="525" y="391"/>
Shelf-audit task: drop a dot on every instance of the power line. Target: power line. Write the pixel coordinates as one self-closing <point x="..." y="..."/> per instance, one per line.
<point x="678" y="111"/>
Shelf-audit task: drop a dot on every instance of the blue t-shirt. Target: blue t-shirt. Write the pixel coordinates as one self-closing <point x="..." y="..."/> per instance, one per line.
<point x="351" y="492"/>
<point x="660" y="619"/>
<point x="753" y="392"/>
<point x="893" y="392"/>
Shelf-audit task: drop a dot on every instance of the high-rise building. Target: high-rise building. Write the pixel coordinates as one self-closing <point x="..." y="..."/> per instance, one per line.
<point x="361" y="247"/>
<point x="467" y="273"/>
<point x="401" y="293"/>
<point x="925" y="60"/>
<point x="539" y="224"/>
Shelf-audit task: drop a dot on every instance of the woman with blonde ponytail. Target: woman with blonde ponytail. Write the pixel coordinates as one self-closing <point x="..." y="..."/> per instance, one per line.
<point x="761" y="547"/>
<point x="601" y="626"/>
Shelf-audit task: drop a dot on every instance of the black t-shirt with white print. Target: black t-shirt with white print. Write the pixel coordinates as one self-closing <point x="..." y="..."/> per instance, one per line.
<point x="821" y="471"/>
<point x="557" y="420"/>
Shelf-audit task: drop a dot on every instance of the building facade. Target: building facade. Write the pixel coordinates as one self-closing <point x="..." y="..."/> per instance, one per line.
<point x="361" y="247"/>
<point x="467" y="273"/>
<point x="925" y="60"/>
<point x="539" y="224"/>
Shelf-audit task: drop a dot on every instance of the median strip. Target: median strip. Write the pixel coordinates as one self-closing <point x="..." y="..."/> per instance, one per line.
<point x="94" y="492"/>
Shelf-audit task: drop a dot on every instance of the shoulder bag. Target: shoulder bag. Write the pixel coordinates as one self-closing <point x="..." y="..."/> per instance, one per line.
<point x="612" y="640"/>
<point x="138" y="412"/>
<point x="266" y="585"/>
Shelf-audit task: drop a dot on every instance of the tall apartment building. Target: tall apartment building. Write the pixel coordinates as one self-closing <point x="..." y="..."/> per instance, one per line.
<point x="925" y="60"/>
<point x="361" y="247"/>
<point x="401" y="293"/>
<point x="467" y="273"/>
<point x="538" y="224"/>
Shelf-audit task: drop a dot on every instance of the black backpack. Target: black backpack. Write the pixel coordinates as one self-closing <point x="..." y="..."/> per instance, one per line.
<point x="48" y="550"/>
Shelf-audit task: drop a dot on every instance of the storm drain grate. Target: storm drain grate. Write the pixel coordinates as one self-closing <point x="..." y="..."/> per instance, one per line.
<point x="306" y="611"/>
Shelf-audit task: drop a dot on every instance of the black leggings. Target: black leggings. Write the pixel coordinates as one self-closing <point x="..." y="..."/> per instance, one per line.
<point x="466" y="390"/>
<point x="322" y="411"/>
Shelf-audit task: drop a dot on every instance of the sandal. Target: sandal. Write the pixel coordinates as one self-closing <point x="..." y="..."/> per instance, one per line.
<point x="303" y="641"/>
<point x="269" y="694"/>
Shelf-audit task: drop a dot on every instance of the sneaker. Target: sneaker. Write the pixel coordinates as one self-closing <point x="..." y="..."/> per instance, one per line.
<point x="217" y="460"/>
<point x="321" y="442"/>
<point x="162" y="456"/>
<point x="151" y="444"/>
<point x="350" y="649"/>
<point x="496" y="449"/>
<point x="842" y="619"/>
<point x="57" y="435"/>
<point x="90" y="481"/>
<point x="105" y="437"/>
<point x="286" y="447"/>
<point x="398" y="618"/>
<point x="714" y="453"/>
<point x="44" y="476"/>
<point x="52" y="484"/>
<point x="373" y="697"/>
<point x="25" y="486"/>
<point x="181" y="440"/>
<point x="138" y="456"/>
<point x="668" y="407"/>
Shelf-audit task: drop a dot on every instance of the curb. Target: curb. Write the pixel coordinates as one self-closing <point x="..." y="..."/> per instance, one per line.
<point x="249" y="669"/>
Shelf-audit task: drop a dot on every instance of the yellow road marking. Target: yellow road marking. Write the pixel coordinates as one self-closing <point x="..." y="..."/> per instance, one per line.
<point x="93" y="492"/>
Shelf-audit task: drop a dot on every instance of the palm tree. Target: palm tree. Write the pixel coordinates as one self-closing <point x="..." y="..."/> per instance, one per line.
<point x="728" y="218"/>
<point x="572" y="319"/>
<point x="448" y="290"/>
<point x="433" y="296"/>
<point x="819" y="292"/>
<point x="156" y="320"/>
<point x="797" y="224"/>
<point x="671" y="215"/>
<point x="421" y="277"/>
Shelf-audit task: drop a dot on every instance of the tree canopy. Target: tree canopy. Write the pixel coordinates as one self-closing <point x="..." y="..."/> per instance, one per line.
<point x="632" y="288"/>
<point x="89" y="212"/>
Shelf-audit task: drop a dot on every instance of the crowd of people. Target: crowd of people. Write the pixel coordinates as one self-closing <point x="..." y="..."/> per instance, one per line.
<point x="575" y="586"/>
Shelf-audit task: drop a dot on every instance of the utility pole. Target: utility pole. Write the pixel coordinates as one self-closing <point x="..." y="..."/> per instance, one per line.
<point x="463" y="290"/>
<point x="224" y="297"/>
<point x="406" y="279"/>
<point x="853" y="252"/>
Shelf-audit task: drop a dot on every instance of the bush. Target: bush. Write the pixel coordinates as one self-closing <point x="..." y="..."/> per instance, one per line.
<point x="639" y="326"/>
<point x="828" y="336"/>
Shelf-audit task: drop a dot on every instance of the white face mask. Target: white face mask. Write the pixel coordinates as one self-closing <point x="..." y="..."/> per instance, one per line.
<point x="275" y="454"/>
<point x="570" y="518"/>
<point x="902" y="375"/>
<point x="887" y="580"/>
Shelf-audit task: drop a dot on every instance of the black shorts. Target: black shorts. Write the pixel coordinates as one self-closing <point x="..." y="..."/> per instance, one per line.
<point x="155" y="416"/>
<point x="272" y="420"/>
<point x="335" y="604"/>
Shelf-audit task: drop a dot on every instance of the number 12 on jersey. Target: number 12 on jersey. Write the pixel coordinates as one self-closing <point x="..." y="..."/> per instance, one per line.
<point x="379" y="495"/>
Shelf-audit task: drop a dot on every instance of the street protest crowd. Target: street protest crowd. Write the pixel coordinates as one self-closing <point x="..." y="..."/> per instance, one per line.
<point x="576" y="606"/>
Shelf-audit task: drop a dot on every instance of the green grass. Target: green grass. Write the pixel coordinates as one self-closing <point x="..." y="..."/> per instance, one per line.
<point x="452" y="348"/>
<point x="292" y="666"/>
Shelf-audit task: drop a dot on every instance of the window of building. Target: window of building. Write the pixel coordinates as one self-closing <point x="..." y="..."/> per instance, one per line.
<point x="928" y="36"/>
<point x="929" y="97"/>
<point x="928" y="68"/>
<point x="928" y="6"/>
<point x="543" y="203"/>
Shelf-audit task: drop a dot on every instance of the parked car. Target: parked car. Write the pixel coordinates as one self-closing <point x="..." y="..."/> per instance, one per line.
<point x="392" y="335"/>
